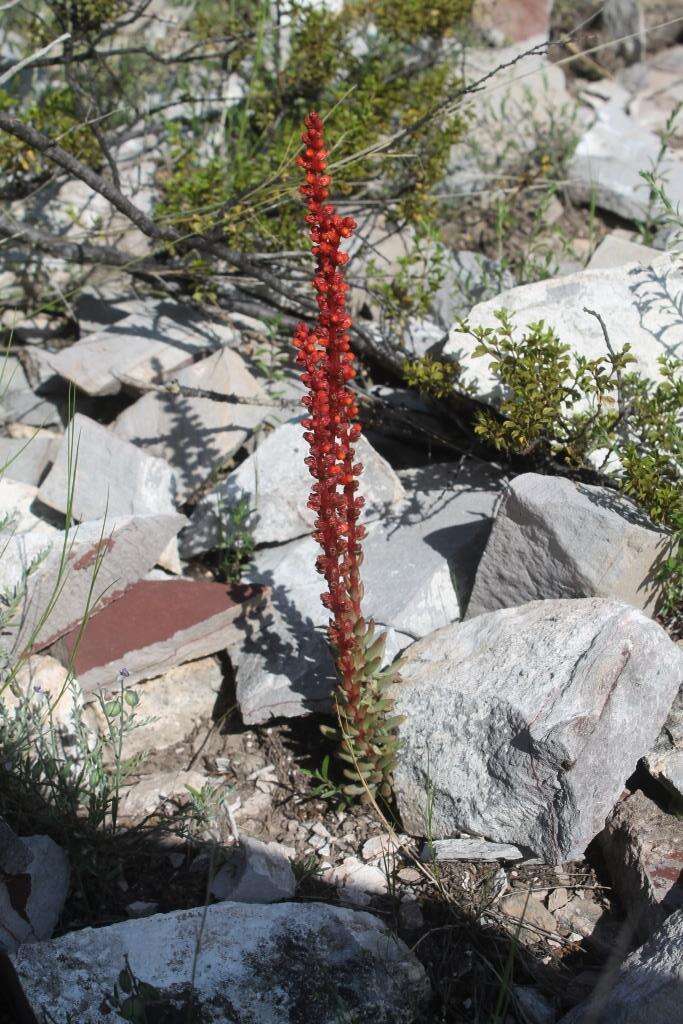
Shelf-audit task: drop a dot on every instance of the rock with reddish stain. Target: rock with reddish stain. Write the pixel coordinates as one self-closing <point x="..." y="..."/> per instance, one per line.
<point x="642" y="847"/>
<point x="34" y="881"/>
<point x="156" y="625"/>
<point x="89" y="567"/>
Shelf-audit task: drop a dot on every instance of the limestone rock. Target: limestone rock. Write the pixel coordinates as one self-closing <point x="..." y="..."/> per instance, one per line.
<point x="34" y="882"/>
<point x="418" y="567"/>
<point x="255" y="872"/>
<point x="154" y="626"/>
<point x="469" y="849"/>
<point x="27" y="460"/>
<point x="146" y="347"/>
<point x="284" y="961"/>
<point x="116" y="553"/>
<point x="276" y="482"/>
<point x="16" y="500"/>
<point x="665" y="761"/>
<point x="527" y="913"/>
<point x="196" y="435"/>
<point x="153" y="792"/>
<point x="607" y="161"/>
<point x="638" y="304"/>
<point x="525" y="722"/>
<point x="615" y="251"/>
<point x="358" y="883"/>
<point x="647" y="986"/>
<point x="643" y="850"/>
<point x="553" y="538"/>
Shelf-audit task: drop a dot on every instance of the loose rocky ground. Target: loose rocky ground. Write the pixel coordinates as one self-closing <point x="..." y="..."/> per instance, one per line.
<point x="530" y="860"/>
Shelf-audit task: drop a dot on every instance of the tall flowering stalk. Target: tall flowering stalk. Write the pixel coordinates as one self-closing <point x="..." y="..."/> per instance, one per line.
<point x="366" y="735"/>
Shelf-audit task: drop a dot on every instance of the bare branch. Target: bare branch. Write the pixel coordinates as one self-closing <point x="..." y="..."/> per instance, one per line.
<point x="32" y="58"/>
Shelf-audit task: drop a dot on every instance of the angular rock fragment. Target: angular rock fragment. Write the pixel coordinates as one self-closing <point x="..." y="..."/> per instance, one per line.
<point x="616" y="251"/>
<point x="86" y="569"/>
<point x="255" y="872"/>
<point x="27" y="460"/>
<point x="268" y="963"/>
<point x="276" y="482"/>
<point x="665" y="761"/>
<point x="196" y="435"/>
<point x="154" y="626"/>
<point x="159" y="791"/>
<point x="18" y="401"/>
<point x="638" y="304"/>
<point x="646" y="987"/>
<point x="606" y="165"/>
<point x="418" y="566"/>
<point x="553" y="538"/>
<point x="143" y="348"/>
<point x="16" y="500"/>
<point x="524" y="723"/>
<point x="34" y="882"/>
<point x="111" y="477"/>
<point x="642" y="847"/>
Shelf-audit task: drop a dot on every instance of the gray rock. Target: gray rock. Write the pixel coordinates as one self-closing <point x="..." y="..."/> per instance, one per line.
<point x="283" y="962"/>
<point x="276" y="481"/>
<point x="55" y="701"/>
<point x="525" y="722"/>
<point x="642" y="847"/>
<point x="195" y="436"/>
<point x="536" y="1007"/>
<point x="665" y="760"/>
<point x="656" y="87"/>
<point x="469" y="277"/>
<point x="469" y="849"/>
<point x="18" y="401"/>
<point x="606" y="164"/>
<point x="34" y="882"/>
<point x="527" y="916"/>
<point x="639" y="306"/>
<point x="255" y="872"/>
<point x="646" y="987"/>
<point x="16" y="515"/>
<point x="418" y="568"/>
<point x="143" y="348"/>
<point x="159" y="791"/>
<point x="26" y="460"/>
<point x="553" y="538"/>
<point x="112" y="476"/>
<point x="89" y="567"/>
<point x="615" y="251"/>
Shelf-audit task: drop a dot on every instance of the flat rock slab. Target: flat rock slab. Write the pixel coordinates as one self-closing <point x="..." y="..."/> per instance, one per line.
<point x="606" y="165"/>
<point x="34" y="882"/>
<point x="525" y="722"/>
<point x="272" y="964"/>
<point x="638" y="304"/>
<point x="195" y="436"/>
<point x="27" y="460"/>
<point x="154" y="626"/>
<point x="615" y="251"/>
<point x="112" y="476"/>
<point x="143" y="348"/>
<point x="16" y="500"/>
<point x="419" y="563"/>
<point x="647" y="986"/>
<point x="469" y="849"/>
<point x="18" y="401"/>
<point x="276" y="482"/>
<point x="642" y="847"/>
<point x="88" y="568"/>
<point x="656" y="87"/>
<point x="553" y="538"/>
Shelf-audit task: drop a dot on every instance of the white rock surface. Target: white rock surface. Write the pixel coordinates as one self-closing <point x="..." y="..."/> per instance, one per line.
<point x="153" y="792"/>
<point x="195" y="436"/>
<point x="647" y="987"/>
<point x="418" y="568"/>
<point x="34" y="882"/>
<point x="144" y="348"/>
<point x="26" y="460"/>
<point x="271" y="964"/>
<point x="16" y="500"/>
<point x="55" y="698"/>
<point x="656" y="87"/>
<point x="638" y="304"/>
<point x="553" y="538"/>
<point x="615" y="251"/>
<point x="255" y="872"/>
<point x="112" y="476"/>
<point x="277" y="483"/>
<point x="525" y="722"/>
<point x="358" y="883"/>
<point x="607" y="162"/>
<point x="665" y="761"/>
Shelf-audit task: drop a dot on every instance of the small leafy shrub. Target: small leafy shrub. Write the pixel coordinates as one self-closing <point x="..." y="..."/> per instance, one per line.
<point x="236" y="542"/>
<point x="433" y="378"/>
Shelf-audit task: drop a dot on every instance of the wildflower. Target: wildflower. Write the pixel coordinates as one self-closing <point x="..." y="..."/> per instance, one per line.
<point x="331" y="430"/>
